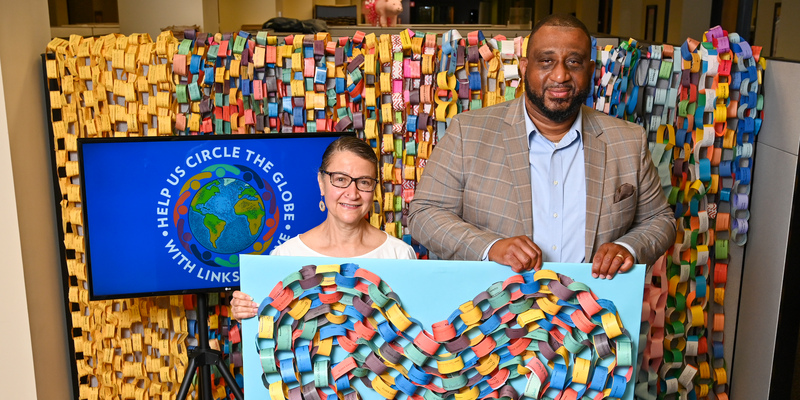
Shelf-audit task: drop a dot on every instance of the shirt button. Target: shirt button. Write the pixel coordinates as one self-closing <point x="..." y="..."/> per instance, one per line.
<point x="554" y="247"/>
<point x="555" y="183"/>
<point x="555" y="215"/>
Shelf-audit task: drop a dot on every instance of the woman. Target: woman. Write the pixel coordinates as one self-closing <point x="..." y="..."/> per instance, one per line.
<point x="347" y="181"/>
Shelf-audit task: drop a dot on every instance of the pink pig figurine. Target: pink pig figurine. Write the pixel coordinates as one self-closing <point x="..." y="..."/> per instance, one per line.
<point x="383" y="12"/>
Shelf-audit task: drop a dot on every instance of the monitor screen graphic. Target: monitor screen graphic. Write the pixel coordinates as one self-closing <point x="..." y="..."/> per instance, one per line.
<point x="171" y="215"/>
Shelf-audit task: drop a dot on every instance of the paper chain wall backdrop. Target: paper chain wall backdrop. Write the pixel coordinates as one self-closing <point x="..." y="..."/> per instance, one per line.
<point x="700" y="103"/>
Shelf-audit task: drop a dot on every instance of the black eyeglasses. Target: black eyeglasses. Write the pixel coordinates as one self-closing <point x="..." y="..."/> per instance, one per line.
<point x="342" y="180"/>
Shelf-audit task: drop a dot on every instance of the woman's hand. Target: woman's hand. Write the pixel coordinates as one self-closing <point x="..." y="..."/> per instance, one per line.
<point x="243" y="306"/>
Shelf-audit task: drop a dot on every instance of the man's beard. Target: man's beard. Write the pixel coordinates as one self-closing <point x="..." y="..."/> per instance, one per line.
<point x="557" y="116"/>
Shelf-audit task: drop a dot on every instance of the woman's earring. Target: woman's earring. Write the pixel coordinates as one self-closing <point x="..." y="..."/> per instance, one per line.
<point x="322" y="204"/>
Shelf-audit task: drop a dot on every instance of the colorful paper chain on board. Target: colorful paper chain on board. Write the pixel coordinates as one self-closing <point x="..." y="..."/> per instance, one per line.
<point x="514" y="328"/>
<point x="702" y="107"/>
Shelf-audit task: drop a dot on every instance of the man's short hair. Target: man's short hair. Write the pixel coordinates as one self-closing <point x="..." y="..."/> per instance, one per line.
<point x="561" y="20"/>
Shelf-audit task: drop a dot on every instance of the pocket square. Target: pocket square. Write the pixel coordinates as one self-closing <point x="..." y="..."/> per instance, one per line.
<point x="623" y="192"/>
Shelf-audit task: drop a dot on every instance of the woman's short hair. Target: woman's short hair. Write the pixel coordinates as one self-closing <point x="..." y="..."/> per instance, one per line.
<point x="350" y="144"/>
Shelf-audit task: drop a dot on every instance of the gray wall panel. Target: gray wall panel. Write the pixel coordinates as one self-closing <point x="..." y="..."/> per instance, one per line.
<point x="781" y="116"/>
<point x="731" y="307"/>
<point x="770" y="206"/>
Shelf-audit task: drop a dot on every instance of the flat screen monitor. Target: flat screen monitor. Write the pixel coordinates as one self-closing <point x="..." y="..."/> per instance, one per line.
<point x="171" y="215"/>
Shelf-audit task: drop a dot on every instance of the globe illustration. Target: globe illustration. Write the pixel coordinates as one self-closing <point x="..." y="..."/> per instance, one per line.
<point x="226" y="216"/>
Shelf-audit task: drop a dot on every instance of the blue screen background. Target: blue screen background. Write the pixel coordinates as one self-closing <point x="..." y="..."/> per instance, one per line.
<point x="126" y="185"/>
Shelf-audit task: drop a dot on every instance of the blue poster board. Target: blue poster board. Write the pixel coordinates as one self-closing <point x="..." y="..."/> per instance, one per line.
<point x="430" y="292"/>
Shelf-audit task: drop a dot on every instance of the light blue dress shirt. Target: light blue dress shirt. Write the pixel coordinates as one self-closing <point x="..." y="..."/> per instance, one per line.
<point x="558" y="191"/>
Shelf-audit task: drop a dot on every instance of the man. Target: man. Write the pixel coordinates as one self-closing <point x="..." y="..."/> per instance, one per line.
<point x="543" y="178"/>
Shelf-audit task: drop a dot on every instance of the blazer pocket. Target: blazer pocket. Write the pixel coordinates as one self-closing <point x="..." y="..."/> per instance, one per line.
<point x="623" y="192"/>
<point x="624" y="210"/>
<point x="623" y="213"/>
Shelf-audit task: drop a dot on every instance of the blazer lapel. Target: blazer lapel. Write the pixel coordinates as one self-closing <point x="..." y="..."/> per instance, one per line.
<point x="515" y="140"/>
<point x="594" y="152"/>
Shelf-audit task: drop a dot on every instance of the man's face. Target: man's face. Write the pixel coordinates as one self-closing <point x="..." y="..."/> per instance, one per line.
<point x="557" y="72"/>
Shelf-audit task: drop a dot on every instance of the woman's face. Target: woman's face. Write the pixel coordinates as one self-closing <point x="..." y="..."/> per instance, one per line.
<point x="348" y="205"/>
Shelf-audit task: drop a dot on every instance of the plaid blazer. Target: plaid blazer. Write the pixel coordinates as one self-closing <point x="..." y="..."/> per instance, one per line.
<point x="476" y="187"/>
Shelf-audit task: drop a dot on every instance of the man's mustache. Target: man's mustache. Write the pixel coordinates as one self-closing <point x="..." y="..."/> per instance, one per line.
<point x="570" y="87"/>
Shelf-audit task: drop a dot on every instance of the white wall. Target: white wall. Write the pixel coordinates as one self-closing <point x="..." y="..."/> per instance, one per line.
<point x="788" y="45"/>
<point x="300" y="9"/>
<point x="660" y="17"/>
<point x="694" y="19"/>
<point x="29" y="242"/>
<point x="587" y="12"/>
<point x="541" y="10"/>
<point x="16" y="372"/>
<point x="626" y="19"/>
<point x="58" y="12"/>
<point x="564" y="6"/>
<point x="674" y="34"/>
<point x="235" y="13"/>
<point x="151" y="16"/>
<point x="210" y="16"/>
<point x="687" y="19"/>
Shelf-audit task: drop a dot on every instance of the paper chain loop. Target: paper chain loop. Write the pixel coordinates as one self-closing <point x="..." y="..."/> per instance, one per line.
<point x="569" y="343"/>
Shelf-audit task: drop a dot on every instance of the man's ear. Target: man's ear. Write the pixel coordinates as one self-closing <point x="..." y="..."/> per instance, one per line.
<point x="523" y="65"/>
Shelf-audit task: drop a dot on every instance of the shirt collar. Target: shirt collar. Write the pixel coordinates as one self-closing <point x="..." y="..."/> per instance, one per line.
<point x="577" y="128"/>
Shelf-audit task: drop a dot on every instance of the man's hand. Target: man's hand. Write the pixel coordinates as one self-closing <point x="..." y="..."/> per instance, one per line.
<point x="610" y="259"/>
<point x="243" y="306"/>
<point x="519" y="253"/>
